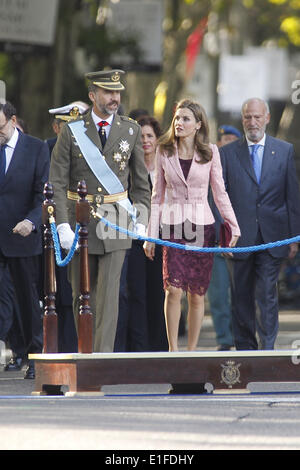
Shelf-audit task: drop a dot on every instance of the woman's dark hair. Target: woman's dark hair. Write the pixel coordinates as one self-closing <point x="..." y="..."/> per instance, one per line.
<point x="152" y="122"/>
<point x="138" y="113"/>
<point x="168" y="141"/>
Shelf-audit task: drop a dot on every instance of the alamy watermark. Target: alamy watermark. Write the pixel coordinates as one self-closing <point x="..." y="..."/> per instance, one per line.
<point x="296" y="353"/>
<point x="173" y="220"/>
<point x="2" y="92"/>
<point x="4" y="353"/>
<point x="296" y="93"/>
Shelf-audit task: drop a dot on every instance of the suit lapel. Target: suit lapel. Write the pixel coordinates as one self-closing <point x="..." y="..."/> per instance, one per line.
<point x="18" y="153"/>
<point x="193" y="168"/>
<point x="174" y="161"/>
<point x="245" y="159"/>
<point x="115" y="132"/>
<point x="268" y="158"/>
<point x="91" y="130"/>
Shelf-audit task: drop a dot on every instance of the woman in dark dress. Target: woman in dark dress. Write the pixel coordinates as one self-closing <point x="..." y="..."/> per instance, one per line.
<point x="186" y="163"/>
<point x="155" y="295"/>
<point x="141" y="325"/>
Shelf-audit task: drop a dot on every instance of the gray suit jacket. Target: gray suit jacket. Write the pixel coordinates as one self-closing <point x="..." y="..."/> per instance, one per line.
<point x="68" y="167"/>
<point x="273" y="206"/>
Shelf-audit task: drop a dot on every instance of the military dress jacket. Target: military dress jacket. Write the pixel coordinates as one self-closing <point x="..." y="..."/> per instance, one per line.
<point x="124" y="154"/>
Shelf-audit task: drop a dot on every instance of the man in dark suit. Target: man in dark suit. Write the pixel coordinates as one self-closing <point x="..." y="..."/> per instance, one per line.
<point x="218" y="292"/>
<point x="261" y="181"/>
<point x="24" y="168"/>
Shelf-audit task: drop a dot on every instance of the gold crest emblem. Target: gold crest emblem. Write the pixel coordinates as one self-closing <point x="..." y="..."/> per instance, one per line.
<point x="74" y="113"/>
<point x="115" y="77"/>
<point x="230" y="373"/>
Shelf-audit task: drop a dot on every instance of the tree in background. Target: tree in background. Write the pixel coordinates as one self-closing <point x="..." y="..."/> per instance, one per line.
<point x="38" y="79"/>
<point x="41" y="79"/>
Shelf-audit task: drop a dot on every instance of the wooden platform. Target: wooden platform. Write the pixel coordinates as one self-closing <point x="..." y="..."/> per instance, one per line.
<point x="225" y="371"/>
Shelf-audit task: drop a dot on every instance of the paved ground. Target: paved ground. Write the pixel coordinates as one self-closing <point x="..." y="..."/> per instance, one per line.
<point x="146" y="417"/>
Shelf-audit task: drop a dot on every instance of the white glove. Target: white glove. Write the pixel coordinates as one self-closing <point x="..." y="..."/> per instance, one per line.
<point x="66" y="236"/>
<point x="140" y="230"/>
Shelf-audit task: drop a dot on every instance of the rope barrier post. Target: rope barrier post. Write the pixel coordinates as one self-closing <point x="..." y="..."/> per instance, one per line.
<point x="50" y="342"/>
<point x="85" y="318"/>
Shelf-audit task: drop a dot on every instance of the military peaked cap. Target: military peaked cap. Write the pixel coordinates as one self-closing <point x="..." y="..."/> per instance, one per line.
<point x="107" y="79"/>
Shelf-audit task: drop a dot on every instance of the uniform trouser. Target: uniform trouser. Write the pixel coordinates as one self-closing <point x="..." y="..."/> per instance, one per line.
<point x="255" y="300"/>
<point x="141" y="322"/>
<point x="105" y="271"/>
<point x="122" y="326"/>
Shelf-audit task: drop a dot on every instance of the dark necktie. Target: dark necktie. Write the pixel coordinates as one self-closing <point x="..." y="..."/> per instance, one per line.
<point x="256" y="161"/>
<point x="102" y="133"/>
<point x="2" y="163"/>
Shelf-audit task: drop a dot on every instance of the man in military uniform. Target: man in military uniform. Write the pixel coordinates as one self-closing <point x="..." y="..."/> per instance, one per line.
<point x="63" y="114"/>
<point x="67" y="338"/>
<point x="103" y="149"/>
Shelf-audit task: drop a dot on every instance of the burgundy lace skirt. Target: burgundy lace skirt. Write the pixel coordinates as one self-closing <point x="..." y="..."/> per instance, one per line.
<point x="189" y="270"/>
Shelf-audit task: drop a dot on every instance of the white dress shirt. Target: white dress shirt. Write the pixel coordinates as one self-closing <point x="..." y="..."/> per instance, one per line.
<point x="10" y="148"/>
<point x="109" y="120"/>
<point x="11" y="144"/>
<point x="260" y="150"/>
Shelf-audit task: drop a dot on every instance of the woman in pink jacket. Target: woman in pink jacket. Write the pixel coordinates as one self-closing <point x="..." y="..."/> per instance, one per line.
<point x="186" y="163"/>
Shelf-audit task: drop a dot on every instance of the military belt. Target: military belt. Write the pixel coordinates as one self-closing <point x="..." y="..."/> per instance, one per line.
<point x="99" y="198"/>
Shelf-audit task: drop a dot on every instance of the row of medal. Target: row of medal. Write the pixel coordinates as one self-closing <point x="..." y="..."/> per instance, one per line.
<point x="119" y="158"/>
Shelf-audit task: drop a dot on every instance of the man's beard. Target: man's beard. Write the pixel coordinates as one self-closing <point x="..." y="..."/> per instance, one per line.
<point x="110" y="111"/>
<point x="255" y="135"/>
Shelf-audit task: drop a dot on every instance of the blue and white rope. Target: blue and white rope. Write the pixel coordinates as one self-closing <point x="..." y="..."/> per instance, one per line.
<point x="134" y="235"/>
<point x="59" y="261"/>
<point x="201" y="249"/>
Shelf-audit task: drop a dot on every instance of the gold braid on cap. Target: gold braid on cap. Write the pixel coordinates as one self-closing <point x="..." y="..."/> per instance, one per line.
<point x="74" y="113"/>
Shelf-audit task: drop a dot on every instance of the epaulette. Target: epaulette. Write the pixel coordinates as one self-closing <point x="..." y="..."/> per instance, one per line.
<point x="129" y="119"/>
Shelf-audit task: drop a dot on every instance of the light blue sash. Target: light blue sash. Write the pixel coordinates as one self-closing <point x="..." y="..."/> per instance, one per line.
<point x="98" y="165"/>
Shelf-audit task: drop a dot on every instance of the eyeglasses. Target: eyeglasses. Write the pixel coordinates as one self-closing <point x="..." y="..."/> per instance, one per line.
<point x="2" y="127"/>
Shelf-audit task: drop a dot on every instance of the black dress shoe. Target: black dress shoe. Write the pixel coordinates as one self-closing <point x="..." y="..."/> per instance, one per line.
<point x="30" y="371"/>
<point x="224" y="347"/>
<point x="16" y="363"/>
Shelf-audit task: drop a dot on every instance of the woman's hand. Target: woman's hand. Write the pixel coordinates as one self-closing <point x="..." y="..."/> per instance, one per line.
<point x="233" y="242"/>
<point x="293" y="250"/>
<point x="149" y="249"/>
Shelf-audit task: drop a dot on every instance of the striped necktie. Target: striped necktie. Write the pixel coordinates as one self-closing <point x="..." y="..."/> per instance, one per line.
<point x="256" y="161"/>
<point x="102" y="132"/>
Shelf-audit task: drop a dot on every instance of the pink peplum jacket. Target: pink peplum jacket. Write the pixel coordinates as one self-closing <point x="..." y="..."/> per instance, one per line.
<point x="175" y="199"/>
